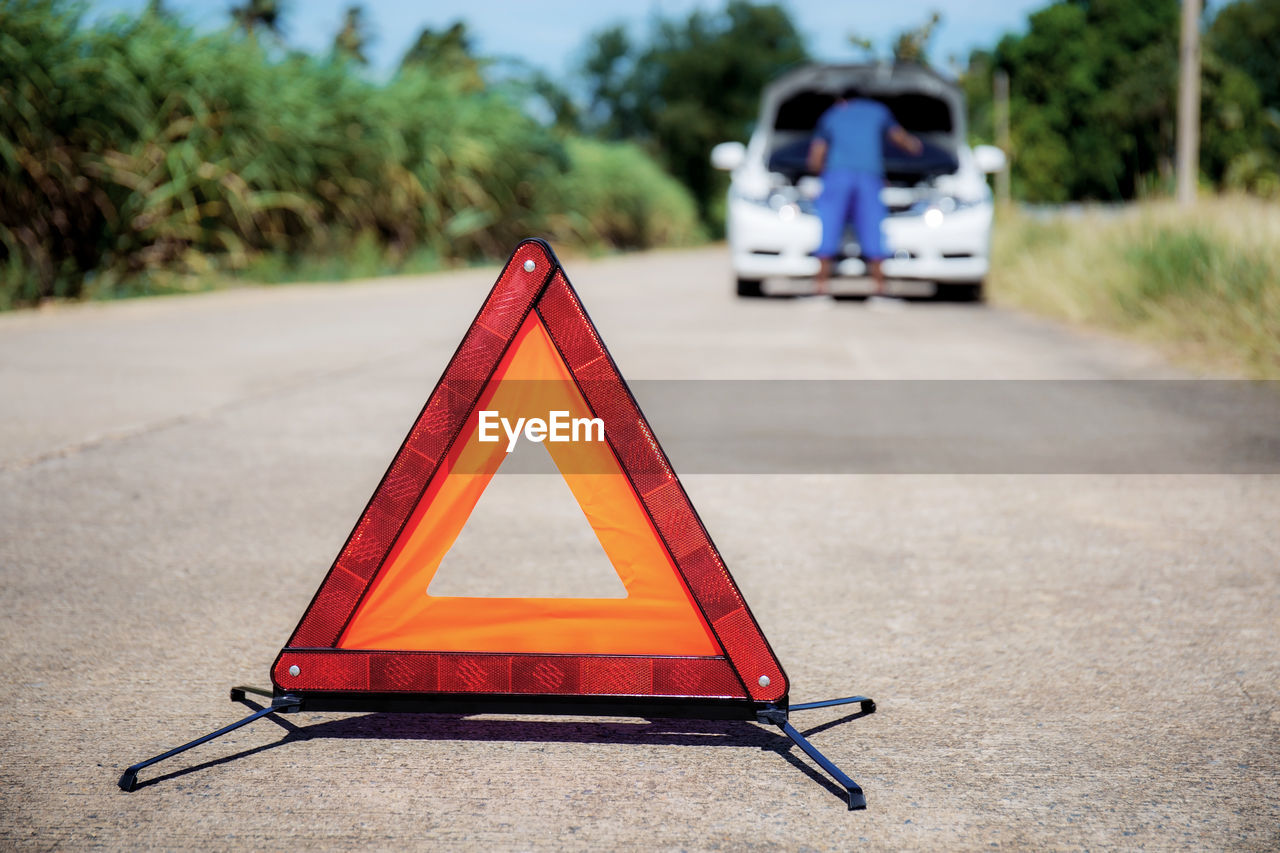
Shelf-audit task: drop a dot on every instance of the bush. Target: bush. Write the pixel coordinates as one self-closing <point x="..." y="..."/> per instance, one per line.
<point x="141" y="156"/>
<point x="615" y="195"/>
<point x="1202" y="283"/>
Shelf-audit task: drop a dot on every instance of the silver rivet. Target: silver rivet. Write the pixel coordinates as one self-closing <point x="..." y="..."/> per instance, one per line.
<point x="293" y="670"/>
<point x="764" y="680"/>
<point x="529" y="266"/>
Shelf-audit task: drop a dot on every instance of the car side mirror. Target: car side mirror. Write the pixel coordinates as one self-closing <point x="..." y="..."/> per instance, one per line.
<point x="989" y="159"/>
<point x="728" y="156"/>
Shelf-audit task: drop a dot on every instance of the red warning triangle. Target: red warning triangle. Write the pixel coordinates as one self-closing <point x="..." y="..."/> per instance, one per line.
<point x="683" y="631"/>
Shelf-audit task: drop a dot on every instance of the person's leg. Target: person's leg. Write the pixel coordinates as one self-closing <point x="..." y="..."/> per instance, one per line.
<point x="824" y="275"/>
<point x="877" y="276"/>
<point x="868" y="220"/>
<point x="832" y="207"/>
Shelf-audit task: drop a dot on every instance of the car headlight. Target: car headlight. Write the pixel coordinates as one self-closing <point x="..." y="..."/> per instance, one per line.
<point x="935" y="210"/>
<point x="786" y="205"/>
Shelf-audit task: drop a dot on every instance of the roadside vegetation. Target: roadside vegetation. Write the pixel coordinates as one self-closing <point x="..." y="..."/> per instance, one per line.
<point x="1093" y="94"/>
<point x="141" y="156"/>
<point x="1093" y="99"/>
<point x="1201" y="283"/>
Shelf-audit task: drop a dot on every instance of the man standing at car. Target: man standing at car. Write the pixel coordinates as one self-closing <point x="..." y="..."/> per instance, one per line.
<point x="848" y="151"/>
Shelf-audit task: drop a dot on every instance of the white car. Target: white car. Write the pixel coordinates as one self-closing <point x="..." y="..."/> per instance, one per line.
<point x="939" y="224"/>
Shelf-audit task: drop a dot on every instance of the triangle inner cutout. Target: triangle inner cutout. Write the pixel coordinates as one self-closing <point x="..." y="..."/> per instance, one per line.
<point x="491" y="557"/>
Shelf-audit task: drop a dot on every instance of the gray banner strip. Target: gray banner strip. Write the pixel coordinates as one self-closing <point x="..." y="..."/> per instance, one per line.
<point x="959" y="427"/>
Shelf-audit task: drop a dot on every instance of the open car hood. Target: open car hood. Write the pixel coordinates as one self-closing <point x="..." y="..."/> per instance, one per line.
<point x="923" y="102"/>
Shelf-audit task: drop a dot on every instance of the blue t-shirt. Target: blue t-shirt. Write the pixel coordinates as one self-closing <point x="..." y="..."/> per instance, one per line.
<point x="854" y="132"/>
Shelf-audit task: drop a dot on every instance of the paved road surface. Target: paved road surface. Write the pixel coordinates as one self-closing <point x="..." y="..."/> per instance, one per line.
<point x="1060" y="661"/>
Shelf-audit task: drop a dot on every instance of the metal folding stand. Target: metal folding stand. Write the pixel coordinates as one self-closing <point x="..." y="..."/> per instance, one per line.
<point x="778" y="717"/>
<point x="279" y="704"/>
<point x="772" y="714"/>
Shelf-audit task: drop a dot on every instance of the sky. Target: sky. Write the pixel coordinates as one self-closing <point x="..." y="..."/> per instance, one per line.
<point x="550" y="34"/>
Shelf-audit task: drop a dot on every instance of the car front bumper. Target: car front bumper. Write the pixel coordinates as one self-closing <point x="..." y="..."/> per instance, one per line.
<point x="766" y="243"/>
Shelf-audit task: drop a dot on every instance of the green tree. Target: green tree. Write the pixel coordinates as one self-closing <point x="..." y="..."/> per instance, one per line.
<point x="1092" y="92"/>
<point x="254" y="15"/>
<point x="909" y="45"/>
<point x="913" y="45"/>
<point x="1093" y="102"/>
<point x="1240" y="137"/>
<point x="1246" y="34"/>
<point x="695" y="83"/>
<point x="353" y="39"/>
<point x="608" y="69"/>
<point x="976" y="81"/>
<point x="565" y="115"/>
<point x="1242" y="94"/>
<point x="449" y="52"/>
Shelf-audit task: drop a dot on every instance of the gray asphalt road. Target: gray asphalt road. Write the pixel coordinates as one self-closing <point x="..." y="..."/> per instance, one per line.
<point x="1060" y="661"/>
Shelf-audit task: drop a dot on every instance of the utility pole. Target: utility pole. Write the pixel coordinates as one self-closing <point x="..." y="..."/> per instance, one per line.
<point x="1188" y="166"/>
<point x="1000" y="86"/>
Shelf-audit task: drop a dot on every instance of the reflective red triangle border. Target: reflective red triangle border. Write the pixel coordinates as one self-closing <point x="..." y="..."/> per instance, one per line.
<point x="748" y="673"/>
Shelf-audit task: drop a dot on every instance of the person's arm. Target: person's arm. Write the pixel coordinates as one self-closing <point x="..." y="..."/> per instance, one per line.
<point x="817" y="155"/>
<point x="907" y="142"/>
<point x="820" y="145"/>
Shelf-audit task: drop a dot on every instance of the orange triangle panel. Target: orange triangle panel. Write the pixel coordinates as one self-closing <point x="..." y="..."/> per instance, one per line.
<point x="683" y="631"/>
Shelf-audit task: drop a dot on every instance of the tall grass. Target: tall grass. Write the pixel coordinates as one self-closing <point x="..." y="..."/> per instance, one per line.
<point x="139" y="154"/>
<point x="1202" y="283"/>
<point x="614" y="194"/>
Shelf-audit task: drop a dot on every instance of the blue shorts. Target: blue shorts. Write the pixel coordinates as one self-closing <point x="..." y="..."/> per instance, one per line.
<point x="851" y="197"/>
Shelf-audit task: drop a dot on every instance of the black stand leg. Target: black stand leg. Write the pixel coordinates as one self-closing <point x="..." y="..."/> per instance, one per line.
<point x="868" y="705"/>
<point x="129" y="779"/>
<point x="852" y="789"/>
<point x="778" y="717"/>
<point x="237" y="693"/>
